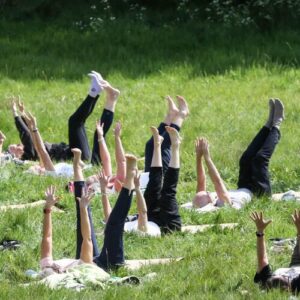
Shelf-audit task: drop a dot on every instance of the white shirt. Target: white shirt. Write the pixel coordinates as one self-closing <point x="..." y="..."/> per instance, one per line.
<point x="61" y="169"/>
<point x="152" y="228"/>
<point x="291" y="273"/>
<point x="239" y="198"/>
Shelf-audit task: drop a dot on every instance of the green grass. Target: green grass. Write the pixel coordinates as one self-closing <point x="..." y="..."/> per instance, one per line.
<point x="227" y="79"/>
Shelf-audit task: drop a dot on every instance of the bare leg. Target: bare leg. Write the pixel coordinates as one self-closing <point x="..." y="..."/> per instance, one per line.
<point x="112" y="95"/>
<point x="157" y="140"/>
<point x="77" y="165"/>
<point x="183" y="112"/>
<point x="175" y="145"/>
<point x="172" y="111"/>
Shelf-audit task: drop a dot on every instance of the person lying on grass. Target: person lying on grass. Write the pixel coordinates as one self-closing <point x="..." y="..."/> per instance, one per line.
<point x="253" y="174"/>
<point x="77" y="133"/>
<point x="284" y="278"/>
<point x="160" y="194"/>
<point x="112" y="253"/>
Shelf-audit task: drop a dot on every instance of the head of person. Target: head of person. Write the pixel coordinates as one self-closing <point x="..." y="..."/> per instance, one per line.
<point x="17" y="150"/>
<point x="278" y="282"/>
<point x="202" y="198"/>
<point x="283" y="283"/>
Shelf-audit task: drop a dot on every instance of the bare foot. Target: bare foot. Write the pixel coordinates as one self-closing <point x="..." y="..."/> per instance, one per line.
<point x="77" y="157"/>
<point x="172" y="110"/>
<point x="76" y="152"/>
<point x="174" y="136"/>
<point x="158" y="139"/>
<point x="131" y="162"/>
<point x="183" y="107"/>
<point x="112" y="93"/>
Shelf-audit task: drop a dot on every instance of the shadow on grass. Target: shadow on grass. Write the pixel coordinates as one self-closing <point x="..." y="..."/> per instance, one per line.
<point x="44" y="50"/>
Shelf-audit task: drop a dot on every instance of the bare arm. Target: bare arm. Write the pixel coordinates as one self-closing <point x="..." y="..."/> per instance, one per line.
<point x="86" y="253"/>
<point x="141" y="205"/>
<point x="39" y="145"/>
<point x="120" y="156"/>
<point x="46" y="245"/>
<point x="261" y="224"/>
<point x="201" y="178"/>
<point x="104" y="197"/>
<point x="104" y="153"/>
<point x="214" y="174"/>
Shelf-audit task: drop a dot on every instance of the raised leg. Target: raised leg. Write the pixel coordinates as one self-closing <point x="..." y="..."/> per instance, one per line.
<point x="153" y="190"/>
<point x="107" y="117"/>
<point x="260" y="180"/>
<point x="112" y="254"/>
<point x="77" y="133"/>
<point x="169" y="212"/>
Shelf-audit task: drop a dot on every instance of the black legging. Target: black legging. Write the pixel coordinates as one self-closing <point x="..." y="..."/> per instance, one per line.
<point x="254" y="163"/>
<point x="160" y="197"/>
<point x="77" y="133"/>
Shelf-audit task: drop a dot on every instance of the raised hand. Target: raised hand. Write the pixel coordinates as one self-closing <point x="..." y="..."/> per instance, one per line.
<point x="118" y="129"/>
<point x="296" y="220"/>
<point x="259" y="221"/>
<point x="198" y="148"/>
<point x="103" y="180"/>
<point x="13" y="105"/>
<point x="51" y="199"/>
<point x="136" y="179"/>
<point x="86" y="197"/>
<point x="99" y="128"/>
<point x="21" y="106"/>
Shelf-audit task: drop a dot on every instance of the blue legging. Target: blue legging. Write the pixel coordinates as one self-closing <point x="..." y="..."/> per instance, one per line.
<point x="112" y="253"/>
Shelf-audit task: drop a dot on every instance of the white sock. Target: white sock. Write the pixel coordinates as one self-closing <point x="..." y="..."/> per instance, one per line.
<point x="96" y="86"/>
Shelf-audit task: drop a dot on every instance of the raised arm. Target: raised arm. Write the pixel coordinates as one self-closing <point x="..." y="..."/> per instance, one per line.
<point x="39" y="144"/>
<point x="261" y="224"/>
<point x="120" y="157"/>
<point x="86" y="253"/>
<point x="104" y="153"/>
<point x="201" y="178"/>
<point x="214" y="173"/>
<point x="46" y="245"/>
<point x="103" y="180"/>
<point x="141" y="204"/>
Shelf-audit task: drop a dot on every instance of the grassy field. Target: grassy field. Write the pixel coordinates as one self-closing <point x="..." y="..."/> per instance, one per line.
<point x="227" y="79"/>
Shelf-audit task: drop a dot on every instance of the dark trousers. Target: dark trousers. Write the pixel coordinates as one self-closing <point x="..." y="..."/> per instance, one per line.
<point x="25" y="137"/>
<point x="254" y="163"/>
<point x="165" y="148"/>
<point x="160" y="197"/>
<point x="112" y="253"/>
<point x="106" y="119"/>
<point x="77" y="133"/>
